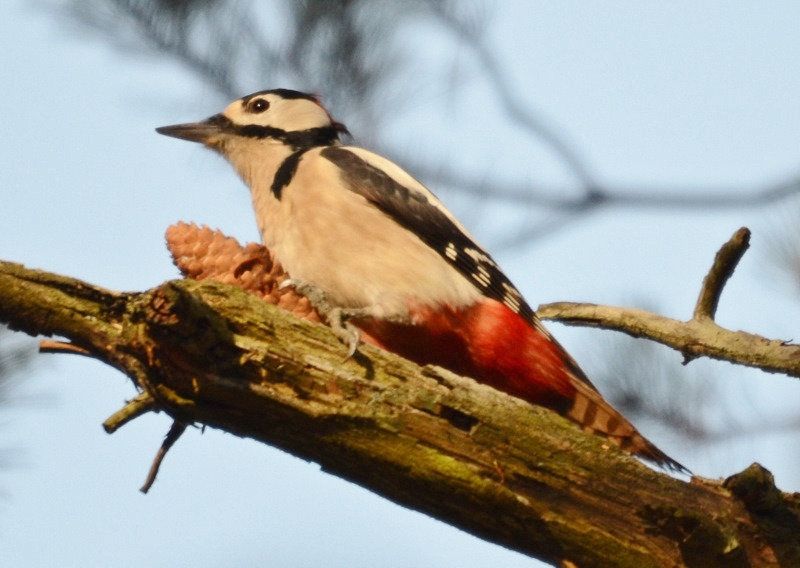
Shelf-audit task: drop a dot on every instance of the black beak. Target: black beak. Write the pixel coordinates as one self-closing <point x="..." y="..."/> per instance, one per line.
<point x="204" y="132"/>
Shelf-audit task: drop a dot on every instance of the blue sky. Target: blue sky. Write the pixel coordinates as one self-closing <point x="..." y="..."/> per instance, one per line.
<point x="678" y="94"/>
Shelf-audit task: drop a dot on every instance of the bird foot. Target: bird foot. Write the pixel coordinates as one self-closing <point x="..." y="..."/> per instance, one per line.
<point x="336" y="317"/>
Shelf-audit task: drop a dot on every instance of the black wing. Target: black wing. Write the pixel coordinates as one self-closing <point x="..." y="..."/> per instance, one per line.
<point x="414" y="211"/>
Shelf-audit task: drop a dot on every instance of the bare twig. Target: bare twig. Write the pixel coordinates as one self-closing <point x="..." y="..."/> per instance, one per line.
<point x="50" y="346"/>
<point x="693" y="338"/>
<point x="140" y="404"/>
<point x="724" y="264"/>
<point x="700" y="336"/>
<point x="175" y="432"/>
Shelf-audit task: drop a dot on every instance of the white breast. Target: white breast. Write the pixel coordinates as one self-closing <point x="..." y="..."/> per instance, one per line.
<point x="331" y="237"/>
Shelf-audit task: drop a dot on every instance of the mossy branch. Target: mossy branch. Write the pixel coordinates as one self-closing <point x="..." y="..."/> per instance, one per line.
<point x="495" y="466"/>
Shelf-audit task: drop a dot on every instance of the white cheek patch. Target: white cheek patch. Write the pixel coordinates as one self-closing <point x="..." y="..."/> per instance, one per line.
<point x="289" y="115"/>
<point x="297" y="114"/>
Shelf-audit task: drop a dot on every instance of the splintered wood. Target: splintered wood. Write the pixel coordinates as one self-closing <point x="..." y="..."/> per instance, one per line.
<point x="204" y="254"/>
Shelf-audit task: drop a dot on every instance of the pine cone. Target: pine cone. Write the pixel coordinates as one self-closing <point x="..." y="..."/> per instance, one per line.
<point x="203" y="254"/>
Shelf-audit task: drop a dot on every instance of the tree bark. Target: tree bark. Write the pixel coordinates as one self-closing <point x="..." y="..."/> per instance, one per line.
<point x="490" y="464"/>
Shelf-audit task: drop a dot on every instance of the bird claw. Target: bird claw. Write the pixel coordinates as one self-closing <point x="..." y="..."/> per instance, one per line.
<point x="335" y="316"/>
<point x="344" y="330"/>
<point x="315" y="295"/>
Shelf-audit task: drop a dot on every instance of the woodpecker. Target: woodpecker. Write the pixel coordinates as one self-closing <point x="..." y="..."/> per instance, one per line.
<point x="383" y="249"/>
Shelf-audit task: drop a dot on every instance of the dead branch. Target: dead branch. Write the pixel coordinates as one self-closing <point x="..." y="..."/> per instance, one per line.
<point x="176" y="431"/>
<point x="517" y="475"/>
<point x="701" y="335"/>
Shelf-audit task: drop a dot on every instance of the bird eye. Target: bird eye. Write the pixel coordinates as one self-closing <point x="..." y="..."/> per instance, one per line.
<point x="259" y="106"/>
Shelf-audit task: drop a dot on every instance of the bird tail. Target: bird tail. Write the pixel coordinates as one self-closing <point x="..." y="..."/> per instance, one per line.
<point x="597" y="416"/>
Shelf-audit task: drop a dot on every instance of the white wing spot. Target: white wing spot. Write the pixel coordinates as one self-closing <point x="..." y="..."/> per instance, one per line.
<point x="451" y="252"/>
<point x="479" y="256"/>
<point x="512" y="298"/>
<point x="483" y="277"/>
<point x="512" y="303"/>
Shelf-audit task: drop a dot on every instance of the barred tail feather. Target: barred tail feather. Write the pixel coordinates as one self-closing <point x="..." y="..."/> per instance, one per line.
<point x="597" y="416"/>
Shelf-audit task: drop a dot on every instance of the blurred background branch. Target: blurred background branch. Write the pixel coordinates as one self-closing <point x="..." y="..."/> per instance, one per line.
<point x="346" y="50"/>
<point x="16" y="356"/>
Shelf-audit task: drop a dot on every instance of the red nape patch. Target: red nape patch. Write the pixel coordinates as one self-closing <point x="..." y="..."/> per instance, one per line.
<point x="486" y="341"/>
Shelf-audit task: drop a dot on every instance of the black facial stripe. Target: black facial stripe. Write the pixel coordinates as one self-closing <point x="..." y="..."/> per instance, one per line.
<point x="415" y="213"/>
<point x="297" y="139"/>
<point x="286" y="171"/>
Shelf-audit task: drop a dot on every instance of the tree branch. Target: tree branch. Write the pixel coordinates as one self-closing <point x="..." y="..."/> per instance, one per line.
<point x="693" y="338"/>
<point x="700" y="336"/>
<point x="724" y="264"/>
<point x="175" y="432"/>
<point x="493" y="465"/>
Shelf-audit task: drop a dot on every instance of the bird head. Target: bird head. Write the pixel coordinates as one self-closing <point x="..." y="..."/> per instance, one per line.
<point x="287" y="117"/>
